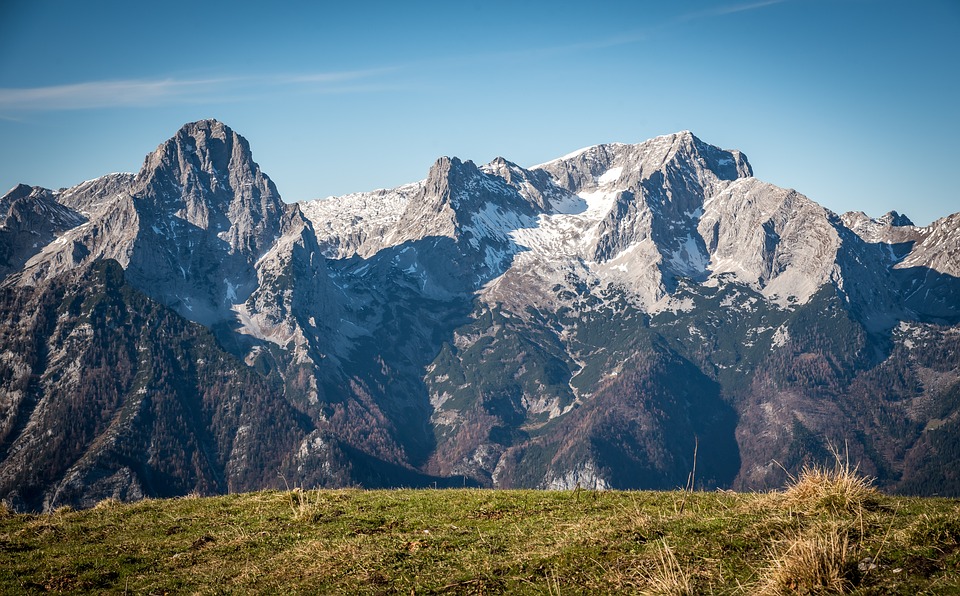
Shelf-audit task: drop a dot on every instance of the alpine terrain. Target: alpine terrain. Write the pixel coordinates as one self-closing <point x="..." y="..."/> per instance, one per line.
<point x="625" y="316"/>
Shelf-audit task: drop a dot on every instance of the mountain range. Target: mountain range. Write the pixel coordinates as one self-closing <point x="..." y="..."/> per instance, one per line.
<point x="626" y="316"/>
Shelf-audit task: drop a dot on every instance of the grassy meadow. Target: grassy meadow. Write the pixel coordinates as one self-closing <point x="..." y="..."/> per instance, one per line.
<point x="827" y="533"/>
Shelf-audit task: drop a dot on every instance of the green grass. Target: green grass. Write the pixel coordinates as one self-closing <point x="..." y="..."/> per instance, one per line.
<point x="480" y="541"/>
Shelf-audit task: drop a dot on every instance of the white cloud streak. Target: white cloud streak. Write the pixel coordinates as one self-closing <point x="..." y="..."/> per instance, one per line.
<point x="637" y="36"/>
<point x="173" y="91"/>
<point x="99" y="94"/>
<point x="730" y="9"/>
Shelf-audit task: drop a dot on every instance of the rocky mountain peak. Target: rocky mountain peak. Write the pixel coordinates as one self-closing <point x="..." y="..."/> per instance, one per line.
<point x="204" y="147"/>
<point x="657" y="191"/>
<point x="448" y="178"/>
<point x="38" y="202"/>
<point x="725" y="164"/>
<point x="683" y="153"/>
<point x="199" y="229"/>
<point x="458" y="191"/>
<point x="891" y="228"/>
<point x="937" y="249"/>
<point x="206" y="176"/>
<point x="23" y="197"/>
<point x="17" y="192"/>
<point x="679" y="154"/>
<point x="30" y="218"/>
<point x="503" y="168"/>
<point x="895" y="219"/>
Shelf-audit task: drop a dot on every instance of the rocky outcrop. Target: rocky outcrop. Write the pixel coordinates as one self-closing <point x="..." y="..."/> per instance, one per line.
<point x="30" y="219"/>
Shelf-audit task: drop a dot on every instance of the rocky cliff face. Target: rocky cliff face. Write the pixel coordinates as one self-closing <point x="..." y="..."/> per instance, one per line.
<point x="589" y="321"/>
<point x="32" y="218"/>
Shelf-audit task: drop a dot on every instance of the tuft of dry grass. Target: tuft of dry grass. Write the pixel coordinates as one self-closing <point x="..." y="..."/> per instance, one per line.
<point x="107" y="503"/>
<point x="839" y="490"/>
<point x="669" y="578"/>
<point x="817" y="562"/>
<point x="306" y="505"/>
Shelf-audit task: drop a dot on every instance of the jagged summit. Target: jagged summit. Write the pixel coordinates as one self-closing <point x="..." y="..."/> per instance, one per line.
<point x="893" y="218"/>
<point x="205" y="175"/>
<point x="31" y="218"/>
<point x="17" y="192"/>
<point x="682" y="146"/>
<point x="210" y="142"/>
<point x="630" y="213"/>
<point x="199" y="228"/>
<point x="447" y="178"/>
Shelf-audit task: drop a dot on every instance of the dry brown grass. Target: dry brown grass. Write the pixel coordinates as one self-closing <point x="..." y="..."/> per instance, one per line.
<point x="669" y="578"/>
<point x="107" y="503"/>
<point x="820" y="558"/>
<point x="305" y="505"/>
<point x="841" y="489"/>
<point x="820" y="561"/>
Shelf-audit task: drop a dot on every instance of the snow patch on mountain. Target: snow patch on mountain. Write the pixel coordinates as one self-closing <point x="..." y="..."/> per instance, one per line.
<point x="688" y="259"/>
<point x="344" y="224"/>
<point x="937" y="247"/>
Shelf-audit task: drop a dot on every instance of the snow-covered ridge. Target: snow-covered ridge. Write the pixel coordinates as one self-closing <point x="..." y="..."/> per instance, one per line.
<point x="595" y="207"/>
<point x="343" y="223"/>
<point x="572" y="227"/>
<point x="637" y="216"/>
<point x="614" y="227"/>
<point x="937" y="247"/>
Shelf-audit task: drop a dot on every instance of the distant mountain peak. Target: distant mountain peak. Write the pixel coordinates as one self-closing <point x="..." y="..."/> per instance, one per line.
<point x="682" y="146"/>
<point x="501" y="161"/>
<point x="18" y="192"/>
<point x="205" y="130"/>
<point x="449" y="174"/>
<point x="892" y="218"/>
<point x="207" y="124"/>
<point x="505" y="169"/>
<point x="204" y="147"/>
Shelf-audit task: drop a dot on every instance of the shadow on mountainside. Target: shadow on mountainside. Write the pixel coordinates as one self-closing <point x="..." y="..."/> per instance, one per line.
<point x="933" y="297"/>
<point x="404" y="303"/>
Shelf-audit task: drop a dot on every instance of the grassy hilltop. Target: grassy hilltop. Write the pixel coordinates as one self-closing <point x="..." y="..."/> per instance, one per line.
<point x="828" y="533"/>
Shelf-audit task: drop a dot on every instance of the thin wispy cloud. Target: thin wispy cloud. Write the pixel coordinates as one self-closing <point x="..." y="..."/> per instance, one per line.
<point x="178" y="91"/>
<point x="636" y="36"/>
<point x="98" y="94"/>
<point x="335" y="77"/>
<point x="730" y="9"/>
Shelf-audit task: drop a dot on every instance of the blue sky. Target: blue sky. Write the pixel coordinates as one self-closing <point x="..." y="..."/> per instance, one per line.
<point x="855" y="103"/>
